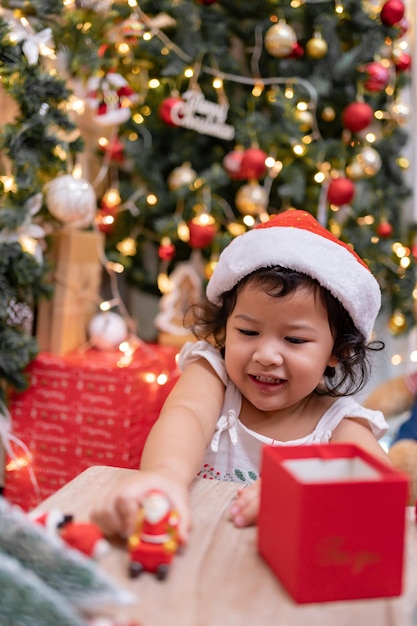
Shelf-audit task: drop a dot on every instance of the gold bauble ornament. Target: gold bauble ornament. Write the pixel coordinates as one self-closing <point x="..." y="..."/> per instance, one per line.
<point x="355" y="171"/>
<point x="251" y="199"/>
<point x="369" y="160"/>
<point x="305" y="120"/>
<point x="400" y="112"/>
<point x="280" y="39"/>
<point x="328" y="114"/>
<point x="181" y="176"/>
<point x="316" y="47"/>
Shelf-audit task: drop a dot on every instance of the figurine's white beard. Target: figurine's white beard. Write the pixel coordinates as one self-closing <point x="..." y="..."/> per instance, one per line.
<point x="156" y="508"/>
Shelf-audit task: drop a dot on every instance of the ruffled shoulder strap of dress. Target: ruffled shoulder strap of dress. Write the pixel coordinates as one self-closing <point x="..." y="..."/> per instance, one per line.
<point x="195" y="350"/>
<point x="349" y="407"/>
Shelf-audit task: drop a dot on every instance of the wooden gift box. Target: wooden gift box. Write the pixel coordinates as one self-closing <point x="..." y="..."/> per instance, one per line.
<point x="62" y="322"/>
<point x="331" y="522"/>
<point x="85" y="409"/>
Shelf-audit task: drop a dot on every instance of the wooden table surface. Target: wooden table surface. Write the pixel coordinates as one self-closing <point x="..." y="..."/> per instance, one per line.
<point x="220" y="579"/>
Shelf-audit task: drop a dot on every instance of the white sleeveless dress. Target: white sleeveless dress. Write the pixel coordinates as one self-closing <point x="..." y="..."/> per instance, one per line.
<point x="235" y="451"/>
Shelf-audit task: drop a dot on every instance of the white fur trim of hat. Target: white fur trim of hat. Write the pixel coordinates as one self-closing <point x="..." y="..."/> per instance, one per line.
<point x="295" y="240"/>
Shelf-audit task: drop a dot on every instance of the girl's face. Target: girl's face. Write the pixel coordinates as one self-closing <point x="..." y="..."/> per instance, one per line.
<point x="277" y="348"/>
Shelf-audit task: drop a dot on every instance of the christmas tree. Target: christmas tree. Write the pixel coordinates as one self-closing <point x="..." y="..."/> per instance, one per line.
<point x="198" y="118"/>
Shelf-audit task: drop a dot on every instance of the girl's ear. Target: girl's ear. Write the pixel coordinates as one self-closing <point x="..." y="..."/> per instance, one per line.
<point x="332" y="362"/>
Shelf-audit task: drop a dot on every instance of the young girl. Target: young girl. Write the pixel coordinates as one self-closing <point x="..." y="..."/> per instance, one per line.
<point x="282" y="346"/>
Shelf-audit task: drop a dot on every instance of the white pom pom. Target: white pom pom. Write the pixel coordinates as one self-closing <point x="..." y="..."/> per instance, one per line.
<point x="107" y="330"/>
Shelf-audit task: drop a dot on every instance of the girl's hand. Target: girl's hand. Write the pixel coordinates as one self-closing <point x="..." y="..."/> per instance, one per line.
<point x="118" y="514"/>
<point x="245" y="508"/>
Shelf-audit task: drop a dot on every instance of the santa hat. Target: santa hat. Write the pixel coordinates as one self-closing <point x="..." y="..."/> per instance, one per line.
<point x="295" y="240"/>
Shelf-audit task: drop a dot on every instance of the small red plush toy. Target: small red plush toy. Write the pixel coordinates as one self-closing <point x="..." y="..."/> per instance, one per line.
<point x="155" y="541"/>
<point x="85" y="537"/>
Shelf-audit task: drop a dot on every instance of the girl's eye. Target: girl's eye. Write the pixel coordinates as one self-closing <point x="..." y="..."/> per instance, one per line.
<point x="296" y="340"/>
<point x="248" y="333"/>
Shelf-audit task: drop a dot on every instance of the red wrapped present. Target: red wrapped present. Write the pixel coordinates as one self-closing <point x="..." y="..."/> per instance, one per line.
<point x="332" y="522"/>
<point x="83" y="409"/>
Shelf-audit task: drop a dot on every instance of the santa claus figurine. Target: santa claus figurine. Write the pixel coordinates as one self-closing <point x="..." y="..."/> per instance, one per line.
<point x="155" y="540"/>
<point x="85" y="537"/>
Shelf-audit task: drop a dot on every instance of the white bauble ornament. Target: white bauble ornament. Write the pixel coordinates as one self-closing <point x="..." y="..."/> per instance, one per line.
<point x="251" y="199"/>
<point x="107" y="330"/>
<point x="71" y="201"/>
<point x="280" y="39"/>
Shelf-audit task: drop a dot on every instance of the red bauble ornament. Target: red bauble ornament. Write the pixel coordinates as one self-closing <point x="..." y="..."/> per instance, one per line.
<point x="166" y="251"/>
<point x="232" y="163"/>
<point x="392" y="12"/>
<point x="357" y="116"/>
<point x="340" y="191"/>
<point x="297" y="51"/>
<point x="403" y="62"/>
<point x="165" y="109"/>
<point x="377" y="76"/>
<point x="253" y="163"/>
<point x="384" y="229"/>
<point x="201" y="235"/>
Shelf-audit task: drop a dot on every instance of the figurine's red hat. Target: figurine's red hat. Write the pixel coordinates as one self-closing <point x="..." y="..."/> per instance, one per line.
<point x="294" y="239"/>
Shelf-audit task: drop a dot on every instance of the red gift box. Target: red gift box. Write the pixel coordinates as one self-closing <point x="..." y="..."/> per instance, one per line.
<point x="332" y="522"/>
<point x="83" y="409"/>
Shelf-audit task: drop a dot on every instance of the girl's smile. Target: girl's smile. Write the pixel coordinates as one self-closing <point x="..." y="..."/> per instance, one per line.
<point x="276" y="351"/>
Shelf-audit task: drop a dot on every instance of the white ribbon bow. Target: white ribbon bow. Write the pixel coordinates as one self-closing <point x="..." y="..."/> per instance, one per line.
<point x="225" y="422"/>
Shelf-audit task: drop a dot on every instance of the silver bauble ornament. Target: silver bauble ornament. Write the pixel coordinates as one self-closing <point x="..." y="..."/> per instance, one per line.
<point x="71" y="201"/>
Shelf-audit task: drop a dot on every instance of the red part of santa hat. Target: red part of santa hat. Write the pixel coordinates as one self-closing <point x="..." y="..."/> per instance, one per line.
<point x="295" y="240"/>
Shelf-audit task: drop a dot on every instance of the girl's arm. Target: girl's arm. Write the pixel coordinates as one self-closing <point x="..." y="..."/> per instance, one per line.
<point x="173" y="451"/>
<point x="356" y="430"/>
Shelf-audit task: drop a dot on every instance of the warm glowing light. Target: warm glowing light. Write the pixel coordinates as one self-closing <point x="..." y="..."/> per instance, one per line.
<point x="396" y="359"/>
<point x="151" y="199"/>
<point x="370" y="137"/>
<point x="28" y="244"/>
<point x="149" y="377"/>
<point x="164" y="283"/>
<point x="413" y="356"/>
<point x="183" y="231"/>
<point x="162" y="379"/>
<point x="236" y="229"/>
<point x="123" y="48"/>
<point x="289" y="92"/>
<point x="218" y="83"/>
<point x="302" y="106"/>
<point x="154" y="83"/>
<point x="147" y="36"/>
<point x="8" y="183"/>
<point x="77" y="171"/>
<point x="319" y="177"/>
<point x="127" y="246"/>
<point x="249" y="220"/>
<point x="16" y="464"/>
<point x="188" y="72"/>
<point x="118" y="268"/>
<point x="298" y="149"/>
<point x="111" y="199"/>
<point x="257" y="90"/>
